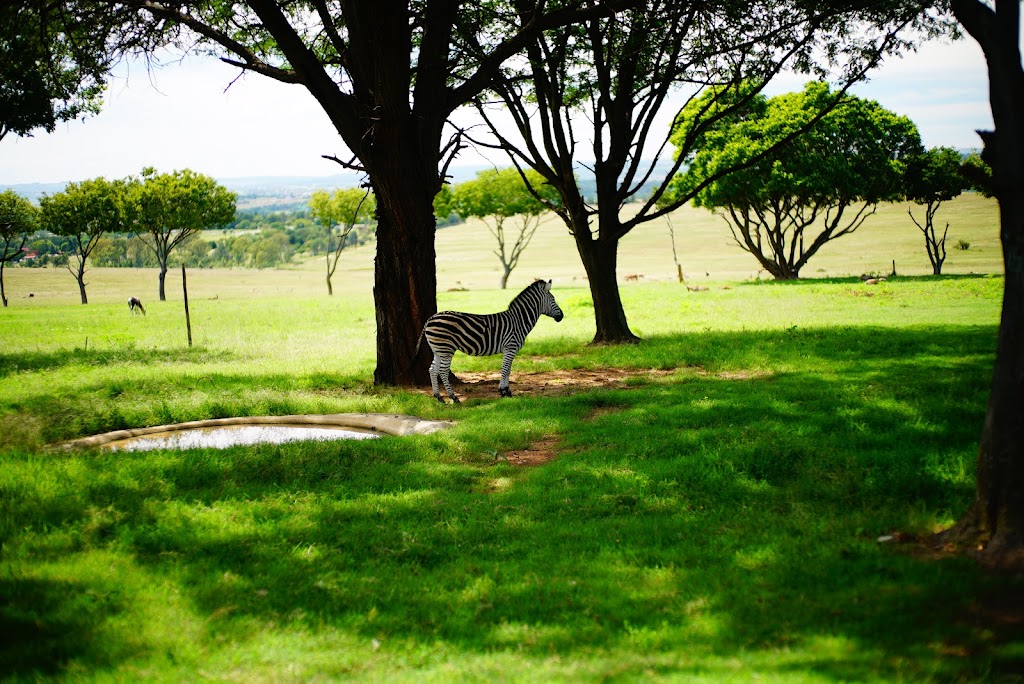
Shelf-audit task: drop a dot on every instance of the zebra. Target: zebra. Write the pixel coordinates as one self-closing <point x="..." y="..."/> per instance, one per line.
<point x="483" y="334"/>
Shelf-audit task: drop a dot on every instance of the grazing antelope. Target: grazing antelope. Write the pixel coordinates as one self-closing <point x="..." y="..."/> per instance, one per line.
<point x="135" y="306"/>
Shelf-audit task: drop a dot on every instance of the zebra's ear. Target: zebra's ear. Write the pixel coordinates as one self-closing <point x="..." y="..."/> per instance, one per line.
<point x="547" y="286"/>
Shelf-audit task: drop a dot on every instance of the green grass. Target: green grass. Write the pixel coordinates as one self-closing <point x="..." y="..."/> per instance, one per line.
<point x="718" y="522"/>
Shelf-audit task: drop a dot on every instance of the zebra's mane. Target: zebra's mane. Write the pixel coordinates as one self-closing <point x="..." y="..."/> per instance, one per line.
<point x="522" y="296"/>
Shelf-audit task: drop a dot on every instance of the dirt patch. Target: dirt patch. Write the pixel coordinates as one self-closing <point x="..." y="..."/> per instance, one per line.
<point x="564" y="382"/>
<point x="484" y="386"/>
<point x="550" y="383"/>
<point x="540" y="452"/>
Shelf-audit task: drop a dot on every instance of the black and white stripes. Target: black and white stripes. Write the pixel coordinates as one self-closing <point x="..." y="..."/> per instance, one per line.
<point x="483" y="334"/>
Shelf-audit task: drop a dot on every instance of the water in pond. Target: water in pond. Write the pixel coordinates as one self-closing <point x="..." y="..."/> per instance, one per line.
<point x="234" y="435"/>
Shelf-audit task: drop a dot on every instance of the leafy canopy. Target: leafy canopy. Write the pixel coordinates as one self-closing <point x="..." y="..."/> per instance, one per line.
<point x="856" y="151"/>
<point x="346" y="206"/>
<point x="17" y="215"/>
<point x="84" y="210"/>
<point x="502" y="193"/>
<point x="53" y="62"/>
<point x="171" y="206"/>
<point x="935" y="176"/>
<point x="786" y="169"/>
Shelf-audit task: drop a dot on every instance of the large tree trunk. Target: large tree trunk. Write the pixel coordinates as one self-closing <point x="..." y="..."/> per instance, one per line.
<point x="600" y="260"/>
<point x="403" y="169"/>
<point x="400" y="149"/>
<point x="405" y="279"/>
<point x="995" y="520"/>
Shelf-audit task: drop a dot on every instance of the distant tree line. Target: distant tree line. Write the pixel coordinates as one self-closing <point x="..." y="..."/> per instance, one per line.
<point x="161" y="212"/>
<point x="774" y="208"/>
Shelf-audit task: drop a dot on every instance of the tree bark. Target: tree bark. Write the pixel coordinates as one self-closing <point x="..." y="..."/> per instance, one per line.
<point x="405" y="278"/>
<point x="402" y="163"/>
<point x="994" y="522"/>
<point x="600" y="260"/>
<point x="81" y="286"/>
<point x="400" y="148"/>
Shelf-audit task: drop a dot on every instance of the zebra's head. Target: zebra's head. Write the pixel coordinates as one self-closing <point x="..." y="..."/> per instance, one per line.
<point x="549" y="306"/>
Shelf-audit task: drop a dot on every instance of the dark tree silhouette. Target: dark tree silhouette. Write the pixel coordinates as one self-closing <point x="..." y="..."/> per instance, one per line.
<point x="995" y="520"/>
<point x="53" y="63"/>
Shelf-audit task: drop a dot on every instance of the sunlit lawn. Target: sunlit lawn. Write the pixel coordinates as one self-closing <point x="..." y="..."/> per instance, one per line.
<point x="719" y="521"/>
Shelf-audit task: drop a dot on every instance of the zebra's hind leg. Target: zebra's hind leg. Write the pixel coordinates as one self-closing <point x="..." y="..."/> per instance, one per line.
<point x="433" y="379"/>
<point x="444" y="365"/>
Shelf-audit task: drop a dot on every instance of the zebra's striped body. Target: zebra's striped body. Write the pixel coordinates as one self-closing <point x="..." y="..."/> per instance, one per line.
<point x="483" y="334"/>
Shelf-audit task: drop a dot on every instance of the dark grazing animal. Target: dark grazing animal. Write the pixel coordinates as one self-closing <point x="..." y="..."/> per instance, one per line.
<point x="135" y="306"/>
<point x="483" y="334"/>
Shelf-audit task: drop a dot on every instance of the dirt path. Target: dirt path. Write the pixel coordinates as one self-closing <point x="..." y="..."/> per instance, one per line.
<point x="548" y="383"/>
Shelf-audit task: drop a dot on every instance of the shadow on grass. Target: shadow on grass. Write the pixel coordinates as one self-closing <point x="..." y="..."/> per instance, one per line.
<point x="688" y="524"/>
<point x="44" y="624"/>
<point x="130" y="355"/>
<point x="140" y="400"/>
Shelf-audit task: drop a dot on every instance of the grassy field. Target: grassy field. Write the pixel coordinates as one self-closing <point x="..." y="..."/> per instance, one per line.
<point x="715" y="516"/>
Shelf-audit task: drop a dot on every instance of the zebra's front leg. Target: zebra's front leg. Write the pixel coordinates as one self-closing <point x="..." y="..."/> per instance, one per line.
<point x="506" y="369"/>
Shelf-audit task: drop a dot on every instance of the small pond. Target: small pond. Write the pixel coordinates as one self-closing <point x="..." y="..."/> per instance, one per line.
<point x="235" y="435"/>
<point x="220" y="433"/>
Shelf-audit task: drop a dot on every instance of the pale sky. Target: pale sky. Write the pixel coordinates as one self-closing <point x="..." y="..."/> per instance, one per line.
<point x="181" y="117"/>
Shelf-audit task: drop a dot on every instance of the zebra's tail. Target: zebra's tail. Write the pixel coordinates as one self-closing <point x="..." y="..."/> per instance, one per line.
<point x="416" y="353"/>
<point x="419" y="342"/>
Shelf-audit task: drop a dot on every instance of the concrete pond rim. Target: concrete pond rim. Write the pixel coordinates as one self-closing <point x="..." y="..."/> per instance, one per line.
<point x="374" y="423"/>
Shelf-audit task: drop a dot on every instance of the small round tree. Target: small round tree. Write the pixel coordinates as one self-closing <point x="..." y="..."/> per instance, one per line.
<point x="495" y="196"/>
<point x="164" y="210"/>
<point x="342" y="210"/>
<point x="17" y="219"/>
<point x="819" y="186"/>
<point x="932" y="178"/>
<point x="83" y="212"/>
